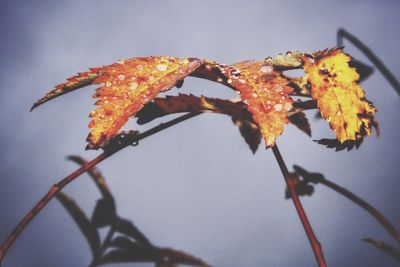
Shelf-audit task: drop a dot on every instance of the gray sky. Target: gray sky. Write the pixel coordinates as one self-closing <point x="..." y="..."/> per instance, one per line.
<point x="196" y="186"/>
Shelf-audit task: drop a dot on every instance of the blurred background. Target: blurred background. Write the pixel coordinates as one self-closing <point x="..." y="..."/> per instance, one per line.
<point x="195" y="187"/>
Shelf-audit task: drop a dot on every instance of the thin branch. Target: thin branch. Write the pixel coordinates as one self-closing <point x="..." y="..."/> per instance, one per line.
<point x="315" y="245"/>
<point x="58" y="186"/>
<point x="366" y="206"/>
<point x="316" y="178"/>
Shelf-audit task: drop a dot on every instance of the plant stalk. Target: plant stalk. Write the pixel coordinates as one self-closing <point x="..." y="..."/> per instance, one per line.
<point x="315" y="245"/>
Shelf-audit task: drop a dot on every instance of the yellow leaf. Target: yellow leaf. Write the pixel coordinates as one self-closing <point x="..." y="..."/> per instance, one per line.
<point x="339" y="97"/>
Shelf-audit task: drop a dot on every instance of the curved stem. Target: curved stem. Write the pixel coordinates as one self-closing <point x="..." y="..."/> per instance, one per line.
<point x="366" y="206"/>
<point x="315" y="245"/>
<point x="58" y="186"/>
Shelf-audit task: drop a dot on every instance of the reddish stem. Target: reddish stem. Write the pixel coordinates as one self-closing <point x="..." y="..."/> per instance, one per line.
<point x="315" y="245"/>
<point x="57" y="187"/>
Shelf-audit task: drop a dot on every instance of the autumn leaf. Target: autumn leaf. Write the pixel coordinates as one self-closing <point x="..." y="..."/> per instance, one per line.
<point x="334" y="143"/>
<point x="266" y="93"/>
<point x="340" y="98"/>
<point x="162" y="106"/>
<point x="190" y="103"/>
<point x="300" y="120"/>
<point x="250" y="132"/>
<point x="126" y="86"/>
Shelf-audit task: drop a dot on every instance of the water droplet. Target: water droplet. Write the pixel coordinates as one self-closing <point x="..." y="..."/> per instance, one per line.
<point x="278" y="88"/>
<point x="267" y="69"/>
<point x="287" y="106"/>
<point x="339" y="113"/>
<point x="161" y="67"/>
<point x="121" y="77"/>
<point x="139" y="67"/>
<point x="219" y="80"/>
<point x="108" y="84"/>
<point x="255" y="95"/>
<point x="242" y="81"/>
<point x="133" y="85"/>
<point x="133" y="78"/>
<point x="229" y="81"/>
<point x="278" y="107"/>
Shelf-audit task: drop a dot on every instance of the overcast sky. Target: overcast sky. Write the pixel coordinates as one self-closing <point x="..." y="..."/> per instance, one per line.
<point x="194" y="187"/>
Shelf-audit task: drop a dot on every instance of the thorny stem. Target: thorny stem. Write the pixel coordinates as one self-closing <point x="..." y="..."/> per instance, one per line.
<point x="315" y="245"/>
<point x="58" y="186"/>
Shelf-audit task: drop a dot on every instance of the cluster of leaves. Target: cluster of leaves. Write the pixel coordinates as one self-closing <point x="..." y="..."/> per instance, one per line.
<point x="265" y="105"/>
<point x="305" y="182"/>
<point x="129" y="243"/>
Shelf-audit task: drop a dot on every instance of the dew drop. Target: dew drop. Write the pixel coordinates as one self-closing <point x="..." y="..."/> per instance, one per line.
<point x="278" y="107"/>
<point x="229" y="81"/>
<point x="121" y="77"/>
<point x="255" y="95"/>
<point x="133" y="85"/>
<point x="161" y="67"/>
<point x="267" y="69"/>
<point x="139" y="67"/>
<point x="287" y="106"/>
<point x="219" y="80"/>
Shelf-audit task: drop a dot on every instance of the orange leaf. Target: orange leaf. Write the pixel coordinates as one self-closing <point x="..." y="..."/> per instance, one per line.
<point x="266" y="92"/>
<point x="126" y="86"/>
<point x="339" y="97"/>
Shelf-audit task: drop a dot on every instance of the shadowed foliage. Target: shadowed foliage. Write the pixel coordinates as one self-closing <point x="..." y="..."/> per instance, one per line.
<point x="124" y="241"/>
